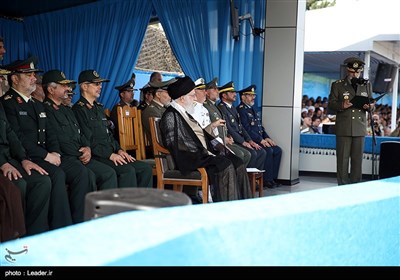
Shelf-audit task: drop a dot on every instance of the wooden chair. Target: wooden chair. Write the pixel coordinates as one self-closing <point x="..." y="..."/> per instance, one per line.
<point x="129" y="133"/>
<point x="165" y="167"/>
<point x="142" y="144"/>
<point x="107" y="112"/>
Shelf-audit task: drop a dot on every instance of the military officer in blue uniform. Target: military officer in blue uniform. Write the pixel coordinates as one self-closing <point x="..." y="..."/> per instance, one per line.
<point x="28" y="119"/>
<point x="235" y="128"/>
<point x="253" y="125"/>
<point x="93" y="122"/>
<point x="351" y="121"/>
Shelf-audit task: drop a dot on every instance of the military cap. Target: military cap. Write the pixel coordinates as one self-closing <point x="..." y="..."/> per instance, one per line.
<point x="4" y="71"/>
<point x="146" y="88"/>
<point x="200" y="83"/>
<point x="354" y="63"/>
<point x="162" y="85"/>
<point x="23" y="66"/>
<point x="249" y="90"/>
<point x="212" y="84"/>
<point x="56" y="76"/>
<point x="128" y="86"/>
<point x="181" y="87"/>
<point x="227" y="88"/>
<point x="90" y="76"/>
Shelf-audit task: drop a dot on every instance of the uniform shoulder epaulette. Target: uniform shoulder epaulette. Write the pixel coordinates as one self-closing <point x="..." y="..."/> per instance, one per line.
<point x="339" y="81"/>
<point x="80" y="103"/>
<point x="100" y="104"/>
<point x="47" y="103"/>
<point x="8" y="96"/>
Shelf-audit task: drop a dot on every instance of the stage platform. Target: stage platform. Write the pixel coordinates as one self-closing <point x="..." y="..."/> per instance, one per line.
<point x="352" y="225"/>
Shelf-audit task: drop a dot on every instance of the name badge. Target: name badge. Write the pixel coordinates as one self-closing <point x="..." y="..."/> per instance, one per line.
<point x="42" y="115"/>
<point x="23" y="113"/>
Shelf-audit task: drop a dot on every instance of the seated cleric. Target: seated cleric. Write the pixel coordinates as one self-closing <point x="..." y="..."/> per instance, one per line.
<point x="190" y="146"/>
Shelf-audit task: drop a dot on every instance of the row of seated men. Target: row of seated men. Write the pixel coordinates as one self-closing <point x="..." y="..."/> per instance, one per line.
<point x="46" y="146"/>
<point x="242" y="133"/>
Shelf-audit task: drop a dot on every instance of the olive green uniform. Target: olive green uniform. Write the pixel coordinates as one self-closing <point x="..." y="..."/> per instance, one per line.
<point x="216" y="114"/>
<point x="93" y="123"/>
<point x="350" y="129"/>
<point x="64" y="126"/>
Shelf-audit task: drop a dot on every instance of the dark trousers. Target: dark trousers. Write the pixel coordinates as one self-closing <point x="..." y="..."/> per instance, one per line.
<point x="104" y="176"/>
<point x="59" y="210"/>
<point x="349" y="149"/>
<point x="132" y="175"/>
<point x="35" y="194"/>
<point x="257" y="158"/>
<point x="79" y="183"/>
<point x="272" y="163"/>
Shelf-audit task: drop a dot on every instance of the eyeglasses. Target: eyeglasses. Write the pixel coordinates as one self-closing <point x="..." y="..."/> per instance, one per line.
<point x="94" y="83"/>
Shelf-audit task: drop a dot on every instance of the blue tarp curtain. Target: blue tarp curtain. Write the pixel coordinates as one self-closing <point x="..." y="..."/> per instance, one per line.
<point x="199" y="32"/>
<point x="13" y="34"/>
<point x="107" y="36"/>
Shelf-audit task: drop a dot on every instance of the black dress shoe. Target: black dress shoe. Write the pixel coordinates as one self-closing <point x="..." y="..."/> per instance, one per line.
<point x="276" y="184"/>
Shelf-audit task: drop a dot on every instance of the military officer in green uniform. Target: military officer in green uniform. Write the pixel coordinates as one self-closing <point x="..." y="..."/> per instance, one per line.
<point x="216" y="114"/>
<point x="158" y="104"/>
<point x="93" y="122"/>
<point x="126" y="98"/>
<point x="73" y="144"/>
<point x="350" y="126"/>
<point x="28" y="119"/>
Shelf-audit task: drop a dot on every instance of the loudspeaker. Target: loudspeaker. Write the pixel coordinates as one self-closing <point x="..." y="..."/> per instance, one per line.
<point x="108" y="202"/>
<point x="389" y="163"/>
<point x="384" y="78"/>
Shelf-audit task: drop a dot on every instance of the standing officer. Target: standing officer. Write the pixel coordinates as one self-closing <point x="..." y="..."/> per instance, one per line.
<point x="28" y="119"/>
<point x="93" y="122"/>
<point x="351" y="122"/>
<point x="74" y="146"/>
<point x="253" y="125"/>
<point x="212" y="95"/>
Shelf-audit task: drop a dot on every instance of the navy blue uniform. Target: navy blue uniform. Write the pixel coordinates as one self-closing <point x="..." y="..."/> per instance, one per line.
<point x="239" y="135"/>
<point x="253" y="125"/>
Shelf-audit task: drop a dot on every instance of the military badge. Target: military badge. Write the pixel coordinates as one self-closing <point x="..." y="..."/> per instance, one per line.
<point x="7" y="97"/>
<point x="364" y="94"/>
<point x="252" y="123"/>
<point x="19" y="100"/>
<point x="346" y="97"/>
<point x="42" y="115"/>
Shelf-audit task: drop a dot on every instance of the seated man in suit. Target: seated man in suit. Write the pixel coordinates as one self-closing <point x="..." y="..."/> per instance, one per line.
<point x="253" y="125"/>
<point x="189" y="144"/>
